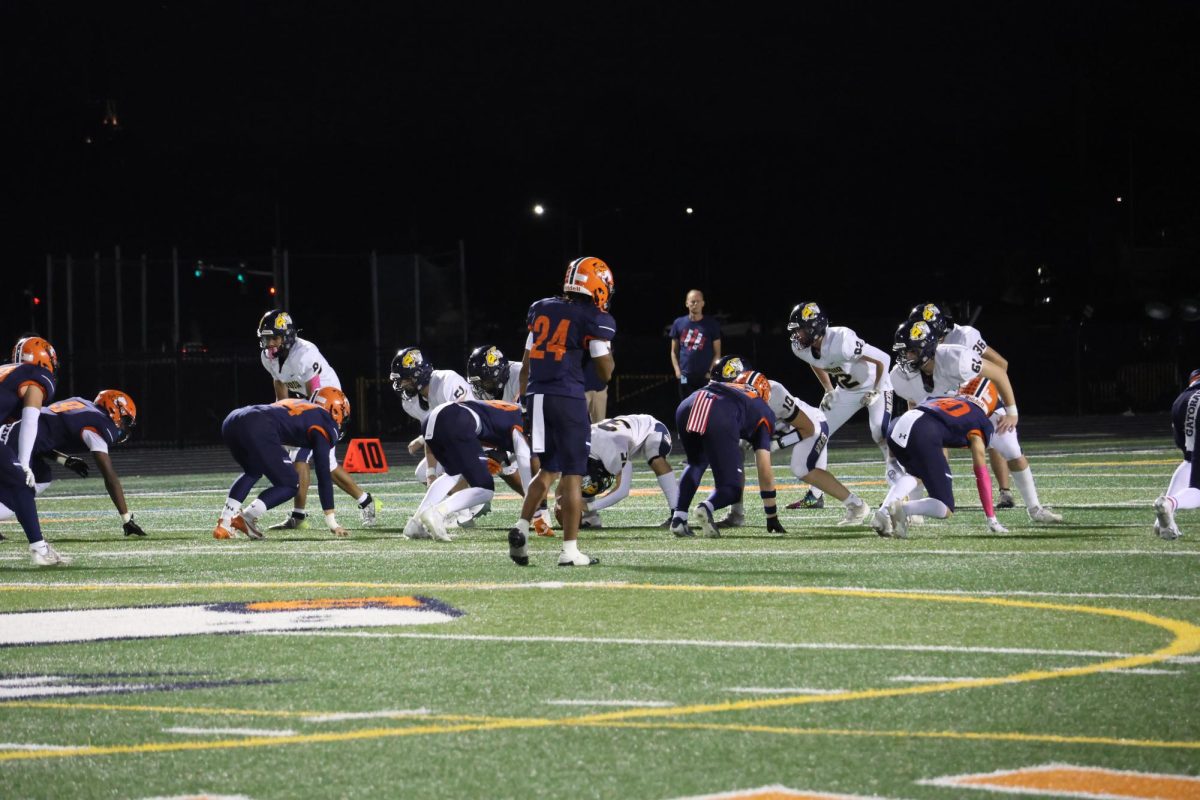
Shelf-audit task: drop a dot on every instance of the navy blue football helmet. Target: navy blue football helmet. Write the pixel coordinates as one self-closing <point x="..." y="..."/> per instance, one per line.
<point x="915" y="344"/>
<point x="727" y="369"/>
<point x="939" y="319"/>
<point x="806" y="324"/>
<point x="487" y="372"/>
<point x="277" y="323"/>
<point x="597" y="481"/>
<point x="410" y="372"/>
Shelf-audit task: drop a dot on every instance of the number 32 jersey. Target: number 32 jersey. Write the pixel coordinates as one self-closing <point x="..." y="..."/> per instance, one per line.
<point x="841" y="356"/>
<point x="560" y="330"/>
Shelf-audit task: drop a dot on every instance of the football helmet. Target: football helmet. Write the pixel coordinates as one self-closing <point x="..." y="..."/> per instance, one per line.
<point x="35" y="350"/>
<point x="597" y="481"/>
<point x="1194" y="378"/>
<point x="806" y="324"/>
<point x="120" y="408"/>
<point x="276" y="323"/>
<point x="939" y="319"/>
<point x="487" y="371"/>
<point x="410" y="372"/>
<point x="915" y="345"/>
<point x="592" y="277"/>
<point x="334" y="401"/>
<point x="756" y="381"/>
<point x="727" y="369"/>
<point x="982" y="392"/>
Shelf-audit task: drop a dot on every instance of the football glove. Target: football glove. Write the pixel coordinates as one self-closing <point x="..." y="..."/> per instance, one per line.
<point x="774" y="525"/>
<point x="131" y="527"/>
<point x="780" y="441"/>
<point x="76" y="465"/>
<point x="30" y="481"/>
<point x="869" y="397"/>
<point x="827" y="401"/>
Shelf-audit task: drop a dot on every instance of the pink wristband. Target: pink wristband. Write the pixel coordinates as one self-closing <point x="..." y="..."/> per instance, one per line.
<point x="983" y="482"/>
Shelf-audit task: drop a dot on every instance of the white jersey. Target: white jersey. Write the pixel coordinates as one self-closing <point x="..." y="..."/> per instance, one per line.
<point x="953" y="365"/>
<point x="616" y="440"/>
<point x="966" y="336"/>
<point x="304" y="362"/>
<point x="445" y="386"/>
<point x="784" y="405"/>
<point x="841" y="356"/>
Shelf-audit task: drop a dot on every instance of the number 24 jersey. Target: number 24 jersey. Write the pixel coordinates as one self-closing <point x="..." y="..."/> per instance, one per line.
<point x="560" y="330"/>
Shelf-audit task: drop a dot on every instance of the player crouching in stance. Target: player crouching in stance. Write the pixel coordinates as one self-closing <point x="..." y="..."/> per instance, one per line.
<point x="917" y="440"/>
<point x="1184" y="490"/>
<point x="803" y="428"/>
<point x="616" y="443"/>
<point x="454" y="433"/>
<point x="76" y="425"/>
<point x="257" y="437"/>
<point x="711" y="423"/>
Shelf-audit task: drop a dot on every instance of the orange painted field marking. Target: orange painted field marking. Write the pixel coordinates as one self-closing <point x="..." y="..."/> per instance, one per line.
<point x="1066" y="780"/>
<point x="777" y="792"/>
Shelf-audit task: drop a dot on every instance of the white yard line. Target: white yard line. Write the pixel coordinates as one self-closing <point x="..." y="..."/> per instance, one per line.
<point x="788" y="691"/>
<point x="25" y="746"/>
<point x="273" y="732"/>
<point x="614" y="703"/>
<point x="412" y="712"/>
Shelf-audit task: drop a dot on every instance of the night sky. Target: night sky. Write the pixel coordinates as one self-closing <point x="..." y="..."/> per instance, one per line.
<point x="837" y="151"/>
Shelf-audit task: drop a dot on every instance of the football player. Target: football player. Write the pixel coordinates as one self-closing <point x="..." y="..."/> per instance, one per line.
<point x="492" y="376"/>
<point x="616" y="444"/>
<point x="1184" y="489"/>
<point x="837" y="355"/>
<point x="421" y="389"/>
<point x="76" y="425"/>
<point x="918" y="439"/>
<point x="298" y="369"/>
<point x="925" y="368"/>
<point x="712" y="422"/>
<point x="257" y="437"/>
<point x="804" y="428"/>
<point x="560" y="330"/>
<point x="453" y="435"/>
<point x="26" y="384"/>
<point x="949" y="332"/>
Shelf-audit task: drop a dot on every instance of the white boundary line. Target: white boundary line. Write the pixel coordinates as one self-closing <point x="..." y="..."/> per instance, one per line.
<point x="280" y="732"/>
<point x="350" y="715"/>
<point x="614" y="703"/>
<point x="786" y="690"/>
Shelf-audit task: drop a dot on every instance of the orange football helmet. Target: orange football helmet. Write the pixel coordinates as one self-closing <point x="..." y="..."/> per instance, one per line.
<point x="592" y="277"/>
<point x="120" y="408"/>
<point x="334" y="401"/>
<point x="756" y="381"/>
<point x="982" y="392"/>
<point x="35" y="350"/>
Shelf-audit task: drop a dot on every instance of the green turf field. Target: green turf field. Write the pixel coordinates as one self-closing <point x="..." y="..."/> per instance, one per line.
<point x="826" y="660"/>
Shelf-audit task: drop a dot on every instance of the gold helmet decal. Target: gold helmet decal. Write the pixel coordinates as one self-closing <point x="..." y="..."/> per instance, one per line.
<point x="929" y="312"/>
<point x="491" y="357"/>
<point x="809" y="311"/>
<point x="282" y="320"/>
<point x="918" y="332"/>
<point x="733" y="368"/>
<point x="412" y="358"/>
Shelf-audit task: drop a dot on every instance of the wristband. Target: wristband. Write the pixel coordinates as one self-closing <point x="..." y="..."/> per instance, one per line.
<point x="61" y="460"/>
<point x="127" y="516"/>
<point x="1011" y="410"/>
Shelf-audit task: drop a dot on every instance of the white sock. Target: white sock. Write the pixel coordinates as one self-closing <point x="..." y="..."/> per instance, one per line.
<point x="570" y="548"/>
<point x="231" y="509"/>
<point x="670" y="488"/>
<point x="928" y="507"/>
<point x="254" y="510"/>
<point x="39" y="547"/>
<point x="437" y="491"/>
<point x="903" y="487"/>
<point x="1024" y="481"/>
<point x="362" y="498"/>
<point x="471" y="496"/>
<point x="1188" y="498"/>
<point x="853" y="501"/>
<point x="706" y="508"/>
<point x="682" y="516"/>
<point x="522" y="525"/>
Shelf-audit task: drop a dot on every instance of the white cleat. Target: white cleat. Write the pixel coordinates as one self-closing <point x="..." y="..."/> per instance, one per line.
<point x="855" y="515"/>
<point x="899" y="519"/>
<point x="577" y="560"/>
<point x="369" y="510"/>
<point x="591" y="520"/>
<point x="413" y="529"/>
<point x="1164" y="525"/>
<point x="734" y="519"/>
<point x="434" y="522"/>
<point x="881" y="522"/>
<point x="50" y="558"/>
<point x="994" y="526"/>
<point x="707" y="525"/>
<point x="1043" y="514"/>
<point x="916" y="519"/>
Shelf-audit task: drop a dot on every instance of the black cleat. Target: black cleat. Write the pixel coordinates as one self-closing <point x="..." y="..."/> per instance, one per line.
<point x="517" y="550"/>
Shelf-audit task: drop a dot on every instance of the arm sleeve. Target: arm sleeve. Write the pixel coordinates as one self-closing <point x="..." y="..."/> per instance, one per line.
<point x="521" y="451"/>
<point x="320" y="462"/>
<point x="29" y="429"/>
<point x="619" y="493"/>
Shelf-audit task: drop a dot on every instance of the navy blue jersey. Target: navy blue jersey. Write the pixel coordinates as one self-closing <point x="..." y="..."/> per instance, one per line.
<point x="12" y="378"/>
<point x="561" y="330"/>
<point x="300" y="423"/>
<point x="1185" y="414"/>
<point x="62" y="425"/>
<point x="738" y="406"/>
<point x="960" y="419"/>
<point x="497" y="420"/>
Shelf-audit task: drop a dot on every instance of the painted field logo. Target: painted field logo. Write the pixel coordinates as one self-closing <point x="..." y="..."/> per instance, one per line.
<point x="144" y="622"/>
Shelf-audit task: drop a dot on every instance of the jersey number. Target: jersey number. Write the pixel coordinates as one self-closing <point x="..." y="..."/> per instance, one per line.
<point x="66" y="405"/>
<point x="613" y="425"/>
<point x="952" y="407"/>
<point x="296" y="407"/>
<point x="558" y="341"/>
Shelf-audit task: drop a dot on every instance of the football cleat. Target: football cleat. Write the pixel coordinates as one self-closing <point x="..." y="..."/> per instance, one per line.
<point x="680" y="528"/>
<point x="591" y="520"/>
<point x="1043" y="514"/>
<point x="899" y="519"/>
<point x="369" y="510"/>
<point x="435" y="523"/>
<point x="413" y="529"/>
<point x="221" y="532"/>
<point x="50" y="558"/>
<point x="995" y="526"/>
<point x="666" y="523"/>
<point x="1164" y="524"/>
<point x="881" y="522"/>
<point x="541" y="523"/>
<point x="855" y="515"/>
<point x="809" y="500"/>
<point x="707" y="525"/>
<point x="1006" y="499"/>
<point x="734" y="519"/>
<point x="294" y="522"/>
<point x="916" y="519"/>
<point x="577" y="560"/>
<point x="518" y="549"/>
<point x="247" y="526"/>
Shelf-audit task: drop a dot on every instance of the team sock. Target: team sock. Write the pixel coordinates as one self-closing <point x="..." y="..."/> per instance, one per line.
<point x="927" y="507"/>
<point x="1024" y="480"/>
<point x="670" y="488"/>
